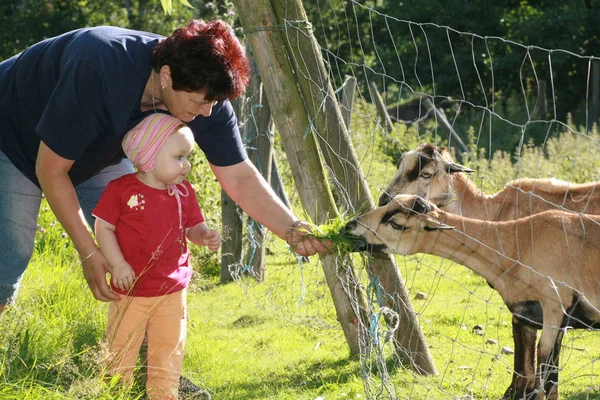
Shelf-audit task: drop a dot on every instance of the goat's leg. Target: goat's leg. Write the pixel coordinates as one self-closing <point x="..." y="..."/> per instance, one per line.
<point x="523" y="380"/>
<point x="550" y="376"/>
<point x="548" y="356"/>
<point x="552" y="361"/>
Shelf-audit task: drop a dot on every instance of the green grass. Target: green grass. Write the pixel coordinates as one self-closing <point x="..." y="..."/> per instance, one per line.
<point x="275" y="340"/>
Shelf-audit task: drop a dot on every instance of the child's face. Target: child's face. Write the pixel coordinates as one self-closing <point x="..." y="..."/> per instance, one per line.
<point x="172" y="163"/>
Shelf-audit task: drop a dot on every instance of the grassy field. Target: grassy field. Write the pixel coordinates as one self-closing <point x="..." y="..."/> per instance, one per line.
<point x="279" y="339"/>
<point x="276" y="340"/>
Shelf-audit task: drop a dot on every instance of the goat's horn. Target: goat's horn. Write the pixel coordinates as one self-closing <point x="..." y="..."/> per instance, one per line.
<point x="420" y="205"/>
<point x="453" y="168"/>
<point x="433" y="225"/>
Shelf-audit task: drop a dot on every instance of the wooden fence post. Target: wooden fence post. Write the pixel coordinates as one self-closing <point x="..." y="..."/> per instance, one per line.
<point x="376" y="98"/>
<point x="595" y="95"/>
<point x="260" y="150"/>
<point x="231" y="249"/>
<point x="348" y="91"/>
<point x="277" y="184"/>
<point x="453" y="139"/>
<point x="335" y="144"/>
<point x="291" y="118"/>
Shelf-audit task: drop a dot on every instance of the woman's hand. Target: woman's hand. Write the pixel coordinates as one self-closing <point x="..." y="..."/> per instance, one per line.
<point x="299" y="239"/>
<point x="95" y="268"/>
<point x="52" y="171"/>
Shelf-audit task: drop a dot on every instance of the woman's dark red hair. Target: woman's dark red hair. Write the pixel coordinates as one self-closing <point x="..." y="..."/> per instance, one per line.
<point x="204" y="56"/>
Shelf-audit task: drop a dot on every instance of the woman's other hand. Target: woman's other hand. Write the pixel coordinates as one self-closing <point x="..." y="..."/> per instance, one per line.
<point x="95" y="268"/>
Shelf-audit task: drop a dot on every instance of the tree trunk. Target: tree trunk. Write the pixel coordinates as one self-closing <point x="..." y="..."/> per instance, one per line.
<point x="541" y="104"/>
<point x="290" y="116"/>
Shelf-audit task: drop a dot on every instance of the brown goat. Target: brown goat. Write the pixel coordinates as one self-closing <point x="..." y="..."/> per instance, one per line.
<point x="430" y="171"/>
<point x="521" y="259"/>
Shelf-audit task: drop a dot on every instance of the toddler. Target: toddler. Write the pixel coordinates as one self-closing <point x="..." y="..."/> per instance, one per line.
<point x="143" y="222"/>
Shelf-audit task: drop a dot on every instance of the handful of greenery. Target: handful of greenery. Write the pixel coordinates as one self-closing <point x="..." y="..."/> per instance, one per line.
<point x="333" y="232"/>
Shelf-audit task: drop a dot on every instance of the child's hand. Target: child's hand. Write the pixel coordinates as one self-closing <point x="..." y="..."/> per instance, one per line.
<point x="123" y="275"/>
<point x="212" y="240"/>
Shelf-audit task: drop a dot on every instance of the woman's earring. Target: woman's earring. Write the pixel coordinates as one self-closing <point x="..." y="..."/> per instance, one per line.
<point x="162" y="87"/>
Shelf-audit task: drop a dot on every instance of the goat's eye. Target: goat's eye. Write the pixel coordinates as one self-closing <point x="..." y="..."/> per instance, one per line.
<point x="426" y="175"/>
<point x="397" y="226"/>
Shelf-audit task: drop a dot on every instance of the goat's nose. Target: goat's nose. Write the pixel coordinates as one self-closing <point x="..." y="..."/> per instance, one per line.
<point x="349" y="227"/>
<point x="384" y="199"/>
<point x="352" y="241"/>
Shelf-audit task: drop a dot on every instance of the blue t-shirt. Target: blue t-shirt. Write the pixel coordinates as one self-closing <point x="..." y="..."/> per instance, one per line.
<point x="80" y="93"/>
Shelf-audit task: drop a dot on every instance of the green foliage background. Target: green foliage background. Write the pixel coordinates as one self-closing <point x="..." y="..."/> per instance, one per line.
<point x="478" y="55"/>
<point x="25" y="22"/>
<point x="407" y="47"/>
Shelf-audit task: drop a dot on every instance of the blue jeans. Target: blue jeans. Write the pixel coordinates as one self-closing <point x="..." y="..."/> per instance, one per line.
<point x="19" y="207"/>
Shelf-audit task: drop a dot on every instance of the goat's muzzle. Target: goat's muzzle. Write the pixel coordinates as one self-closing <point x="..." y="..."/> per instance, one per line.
<point x="355" y="242"/>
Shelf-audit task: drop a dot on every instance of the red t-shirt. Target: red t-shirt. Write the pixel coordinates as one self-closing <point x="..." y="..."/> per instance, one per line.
<point x="147" y="230"/>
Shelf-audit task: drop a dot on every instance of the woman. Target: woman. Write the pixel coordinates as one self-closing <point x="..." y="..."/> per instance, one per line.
<point x="67" y="102"/>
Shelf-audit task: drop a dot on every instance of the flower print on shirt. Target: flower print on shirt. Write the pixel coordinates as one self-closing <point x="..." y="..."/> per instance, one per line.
<point x="136" y="202"/>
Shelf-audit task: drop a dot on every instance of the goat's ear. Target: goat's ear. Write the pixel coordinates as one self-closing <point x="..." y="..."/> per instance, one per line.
<point x="432" y="224"/>
<point x="420" y="205"/>
<point x="453" y="168"/>
<point x="443" y="199"/>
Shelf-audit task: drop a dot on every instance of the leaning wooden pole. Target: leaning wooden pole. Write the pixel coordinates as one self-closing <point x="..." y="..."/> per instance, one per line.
<point x="349" y="88"/>
<point x="291" y="119"/>
<point x="376" y="98"/>
<point x="335" y="143"/>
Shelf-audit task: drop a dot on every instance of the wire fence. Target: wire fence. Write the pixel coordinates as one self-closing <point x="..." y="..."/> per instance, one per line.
<point x="511" y="105"/>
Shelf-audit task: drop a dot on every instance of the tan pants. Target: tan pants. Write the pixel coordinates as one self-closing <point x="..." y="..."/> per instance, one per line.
<point x="163" y="318"/>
